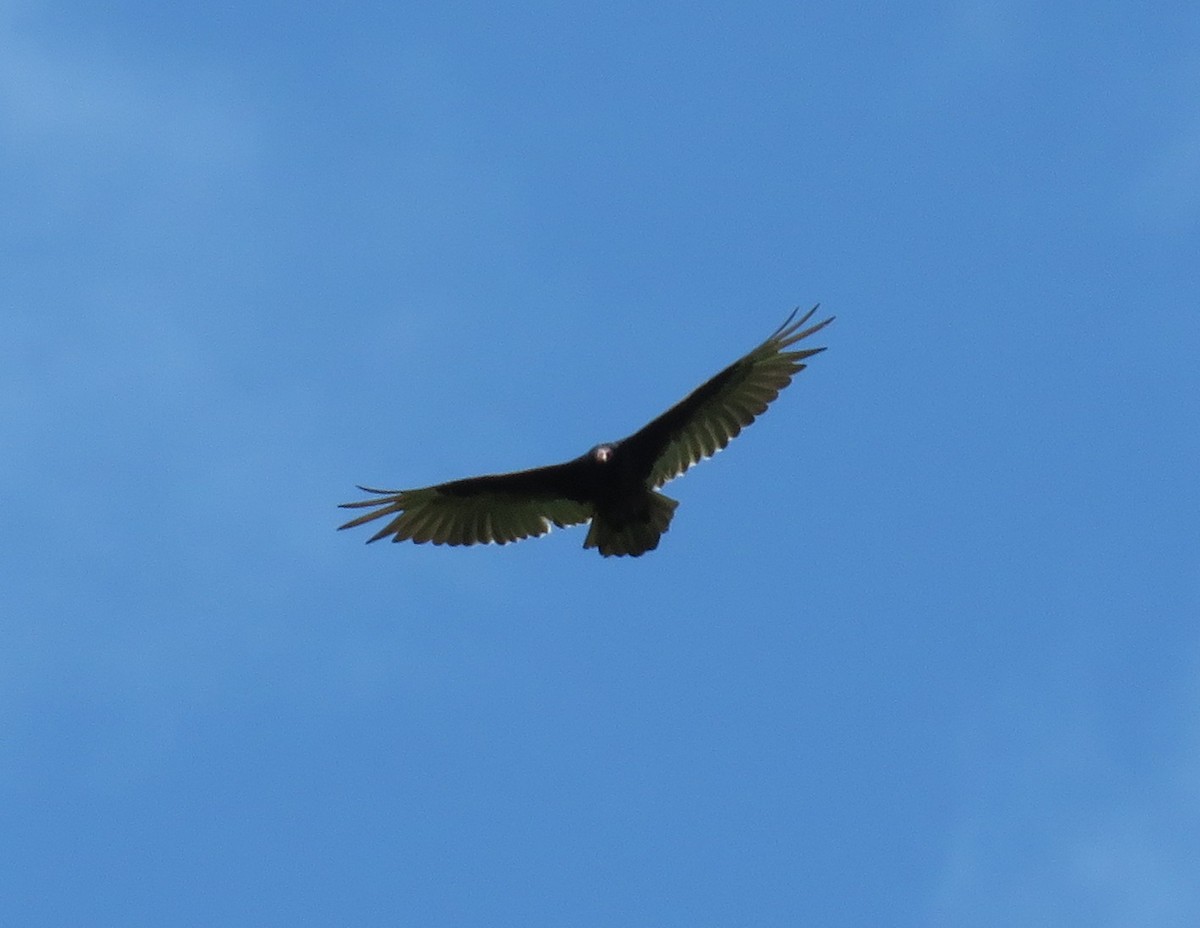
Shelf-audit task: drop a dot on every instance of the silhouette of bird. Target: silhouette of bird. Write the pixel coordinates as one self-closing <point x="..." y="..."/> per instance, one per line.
<point x="615" y="484"/>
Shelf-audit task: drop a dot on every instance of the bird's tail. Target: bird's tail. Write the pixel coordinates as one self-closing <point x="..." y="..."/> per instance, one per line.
<point x="632" y="537"/>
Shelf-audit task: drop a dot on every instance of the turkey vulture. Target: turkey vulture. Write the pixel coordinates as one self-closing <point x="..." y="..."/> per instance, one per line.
<point x="615" y="485"/>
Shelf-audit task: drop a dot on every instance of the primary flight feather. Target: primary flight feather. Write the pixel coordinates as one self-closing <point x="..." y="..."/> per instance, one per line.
<point x="615" y="485"/>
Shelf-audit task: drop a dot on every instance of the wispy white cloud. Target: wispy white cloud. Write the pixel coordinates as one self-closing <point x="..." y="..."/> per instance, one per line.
<point x="1166" y="188"/>
<point x="1140" y="867"/>
<point x="75" y="102"/>
<point x="115" y="174"/>
<point x="983" y="35"/>
<point x="1162" y="189"/>
<point x="1052" y="831"/>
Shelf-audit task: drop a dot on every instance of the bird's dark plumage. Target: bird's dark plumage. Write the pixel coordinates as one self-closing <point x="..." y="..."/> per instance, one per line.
<point x="614" y="485"/>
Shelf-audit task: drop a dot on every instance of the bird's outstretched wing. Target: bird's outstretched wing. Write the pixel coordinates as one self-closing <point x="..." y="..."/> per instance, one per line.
<point x="712" y="415"/>
<point x="494" y="508"/>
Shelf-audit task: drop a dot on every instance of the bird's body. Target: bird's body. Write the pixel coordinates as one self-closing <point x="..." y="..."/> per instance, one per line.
<point x="615" y="485"/>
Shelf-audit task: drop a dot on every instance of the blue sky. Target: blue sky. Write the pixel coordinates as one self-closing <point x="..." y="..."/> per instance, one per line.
<point x="920" y="649"/>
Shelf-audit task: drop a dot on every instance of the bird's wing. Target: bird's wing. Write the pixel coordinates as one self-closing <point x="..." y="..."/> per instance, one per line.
<point x="494" y="508"/>
<point x="712" y="415"/>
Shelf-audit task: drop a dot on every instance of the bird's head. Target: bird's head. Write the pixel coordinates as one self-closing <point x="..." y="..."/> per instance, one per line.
<point x="602" y="454"/>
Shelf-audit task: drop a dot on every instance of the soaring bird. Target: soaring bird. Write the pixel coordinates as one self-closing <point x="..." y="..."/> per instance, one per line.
<point x="615" y="485"/>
